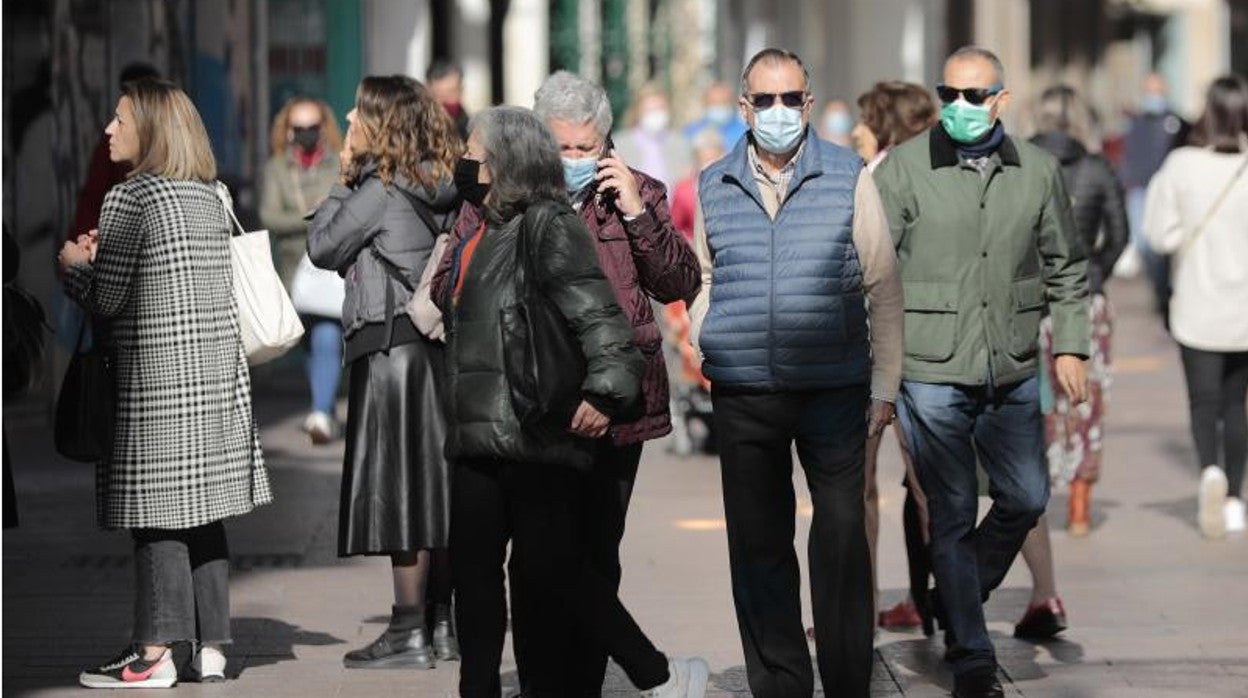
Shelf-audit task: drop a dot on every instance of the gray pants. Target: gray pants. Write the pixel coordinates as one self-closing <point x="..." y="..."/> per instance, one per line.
<point x="181" y="585"/>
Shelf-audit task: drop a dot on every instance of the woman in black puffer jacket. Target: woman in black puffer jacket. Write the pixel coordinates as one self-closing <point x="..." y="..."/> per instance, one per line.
<point x="520" y="483"/>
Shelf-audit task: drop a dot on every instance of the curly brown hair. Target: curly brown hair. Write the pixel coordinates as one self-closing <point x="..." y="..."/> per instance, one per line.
<point x="897" y="111"/>
<point x="279" y="135"/>
<point x="407" y="132"/>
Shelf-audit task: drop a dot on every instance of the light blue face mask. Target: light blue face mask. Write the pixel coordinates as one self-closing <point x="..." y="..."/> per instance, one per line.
<point x="838" y="123"/>
<point x="579" y="172"/>
<point x="778" y="129"/>
<point x="720" y="114"/>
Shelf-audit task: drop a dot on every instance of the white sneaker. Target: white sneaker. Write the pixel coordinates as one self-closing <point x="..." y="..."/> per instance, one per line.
<point x="130" y="670"/>
<point x="208" y="665"/>
<point x="1233" y="512"/>
<point x="687" y="678"/>
<point x="1210" y="502"/>
<point x="319" y="427"/>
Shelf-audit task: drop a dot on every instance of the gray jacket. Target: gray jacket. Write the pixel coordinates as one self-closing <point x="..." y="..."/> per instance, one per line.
<point x="355" y="224"/>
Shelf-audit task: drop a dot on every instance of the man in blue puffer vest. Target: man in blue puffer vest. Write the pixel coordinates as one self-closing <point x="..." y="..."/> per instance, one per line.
<point x="796" y="259"/>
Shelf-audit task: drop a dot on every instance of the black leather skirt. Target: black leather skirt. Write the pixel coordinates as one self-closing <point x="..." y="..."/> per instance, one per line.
<point x="395" y="478"/>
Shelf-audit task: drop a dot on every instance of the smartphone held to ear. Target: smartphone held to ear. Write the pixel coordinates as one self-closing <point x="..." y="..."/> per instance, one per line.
<point x="607" y="195"/>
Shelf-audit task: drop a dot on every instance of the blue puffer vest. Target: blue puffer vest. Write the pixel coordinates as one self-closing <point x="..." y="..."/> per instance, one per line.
<point x="787" y="309"/>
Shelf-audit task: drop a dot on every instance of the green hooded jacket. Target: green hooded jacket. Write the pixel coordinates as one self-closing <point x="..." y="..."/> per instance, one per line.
<point x="982" y="258"/>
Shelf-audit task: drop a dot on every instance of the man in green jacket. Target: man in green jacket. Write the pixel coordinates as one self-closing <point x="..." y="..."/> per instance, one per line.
<point x="986" y="245"/>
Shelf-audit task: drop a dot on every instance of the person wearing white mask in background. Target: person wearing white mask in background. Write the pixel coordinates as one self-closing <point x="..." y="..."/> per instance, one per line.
<point x="793" y="242"/>
<point x="649" y="143"/>
<point x="719" y="112"/>
<point x="837" y="123"/>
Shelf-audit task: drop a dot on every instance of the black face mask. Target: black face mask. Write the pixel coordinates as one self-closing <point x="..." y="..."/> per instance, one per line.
<point x="466" y="173"/>
<point x="307" y="137"/>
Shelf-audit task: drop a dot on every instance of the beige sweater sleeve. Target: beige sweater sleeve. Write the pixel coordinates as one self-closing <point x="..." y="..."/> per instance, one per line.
<point x="881" y="280"/>
<point x="702" y="302"/>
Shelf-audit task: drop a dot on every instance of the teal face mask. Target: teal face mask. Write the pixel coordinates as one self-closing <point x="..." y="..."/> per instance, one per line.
<point x="966" y="123"/>
<point x="579" y="172"/>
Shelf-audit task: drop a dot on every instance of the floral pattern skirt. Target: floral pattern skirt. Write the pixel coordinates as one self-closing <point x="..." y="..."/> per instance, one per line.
<point x="1074" y="434"/>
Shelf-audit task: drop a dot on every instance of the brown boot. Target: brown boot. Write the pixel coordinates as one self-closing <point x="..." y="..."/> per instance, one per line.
<point x="1079" y="522"/>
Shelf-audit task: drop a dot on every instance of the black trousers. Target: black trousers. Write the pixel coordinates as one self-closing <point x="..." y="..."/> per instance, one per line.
<point x="602" y="511"/>
<point x="557" y="598"/>
<point x="756" y="434"/>
<point x="1217" y="386"/>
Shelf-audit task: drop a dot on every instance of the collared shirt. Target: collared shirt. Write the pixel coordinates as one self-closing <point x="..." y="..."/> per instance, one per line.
<point x="780" y="182"/>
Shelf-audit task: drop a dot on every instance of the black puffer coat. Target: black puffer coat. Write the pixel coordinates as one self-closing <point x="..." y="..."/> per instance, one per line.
<point x="1096" y="202"/>
<point x="483" y="423"/>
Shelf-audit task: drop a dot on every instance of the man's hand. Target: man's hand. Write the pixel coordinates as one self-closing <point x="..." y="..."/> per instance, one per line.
<point x="589" y="422"/>
<point x="879" y="415"/>
<point x="613" y="173"/>
<point x="1072" y="377"/>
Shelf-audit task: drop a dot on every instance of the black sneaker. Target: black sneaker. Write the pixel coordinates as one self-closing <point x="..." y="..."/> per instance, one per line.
<point x="393" y="650"/>
<point x="131" y="670"/>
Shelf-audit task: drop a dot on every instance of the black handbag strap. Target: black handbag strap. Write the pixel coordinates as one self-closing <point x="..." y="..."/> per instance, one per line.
<point x="536" y="217"/>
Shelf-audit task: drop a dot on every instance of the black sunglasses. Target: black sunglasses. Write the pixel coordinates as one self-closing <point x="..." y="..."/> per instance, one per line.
<point x="973" y="95"/>
<point x="763" y="100"/>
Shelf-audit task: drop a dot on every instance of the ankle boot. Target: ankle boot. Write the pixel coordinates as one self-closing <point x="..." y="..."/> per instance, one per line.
<point x="445" y="644"/>
<point x="1079" y="521"/>
<point x="404" y="644"/>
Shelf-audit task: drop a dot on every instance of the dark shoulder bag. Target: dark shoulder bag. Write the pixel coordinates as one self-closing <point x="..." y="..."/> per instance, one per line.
<point x="544" y="363"/>
<point x="87" y="404"/>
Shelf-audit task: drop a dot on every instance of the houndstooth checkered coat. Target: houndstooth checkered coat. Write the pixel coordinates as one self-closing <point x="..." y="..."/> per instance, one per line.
<point x="186" y="451"/>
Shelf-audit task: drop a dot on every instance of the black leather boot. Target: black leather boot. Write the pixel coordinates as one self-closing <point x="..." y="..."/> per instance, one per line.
<point x="404" y="645"/>
<point x="445" y="644"/>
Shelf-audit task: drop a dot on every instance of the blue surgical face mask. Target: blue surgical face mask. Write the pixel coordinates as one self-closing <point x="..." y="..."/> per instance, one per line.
<point x="579" y="172"/>
<point x="720" y="114"/>
<point x="838" y="123"/>
<point x="1153" y="104"/>
<point x="778" y="129"/>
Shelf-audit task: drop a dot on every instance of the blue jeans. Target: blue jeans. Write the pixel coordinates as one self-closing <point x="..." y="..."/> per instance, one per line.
<point x="948" y="426"/>
<point x="324" y="362"/>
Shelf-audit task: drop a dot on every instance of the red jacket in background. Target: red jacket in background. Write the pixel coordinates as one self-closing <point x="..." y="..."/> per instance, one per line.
<point x="102" y="175"/>
<point x="643" y="258"/>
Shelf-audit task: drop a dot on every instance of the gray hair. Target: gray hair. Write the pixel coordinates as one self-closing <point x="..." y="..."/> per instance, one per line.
<point x="982" y="54"/>
<point x="569" y="97"/>
<point x="773" y="56"/>
<point x="523" y="158"/>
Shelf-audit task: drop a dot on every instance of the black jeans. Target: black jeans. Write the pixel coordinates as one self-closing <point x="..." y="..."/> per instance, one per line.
<point x="182" y="585"/>
<point x="755" y="434"/>
<point x="1217" y="387"/>
<point x="602" y="511"/>
<point x="947" y="426"/>
<point x="557" y="597"/>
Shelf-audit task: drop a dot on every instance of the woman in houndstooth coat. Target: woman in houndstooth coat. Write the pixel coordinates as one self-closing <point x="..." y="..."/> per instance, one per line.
<point x="186" y="453"/>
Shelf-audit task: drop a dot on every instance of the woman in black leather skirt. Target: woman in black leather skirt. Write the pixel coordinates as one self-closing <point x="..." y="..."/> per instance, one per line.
<point x="377" y="229"/>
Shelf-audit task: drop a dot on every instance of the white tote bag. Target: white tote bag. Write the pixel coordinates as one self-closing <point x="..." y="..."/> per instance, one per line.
<point x="424" y="314"/>
<point x="316" y="291"/>
<point x="266" y="318"/>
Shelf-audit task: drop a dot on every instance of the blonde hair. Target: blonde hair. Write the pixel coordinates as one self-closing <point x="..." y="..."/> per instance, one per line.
<point x="172" y="140"/>
<point x="279" y="135"/>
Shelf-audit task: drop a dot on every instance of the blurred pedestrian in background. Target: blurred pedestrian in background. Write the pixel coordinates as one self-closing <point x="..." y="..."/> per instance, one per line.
<point x="648" y="142"/>
<point x="524" y="482"/>
<point x="836" y="122"/>
<point x="303" y="164"/>
<point x="801" y="339"/>
<point x="1153" y="132"/>
<point x="445" y="80"/>
<point x="977" y="279"/>
<point x="719" y="112"/>
<point x="377" y="228"/>
<point x="1196" y="211"/>
<point x="186" y="451"/>
<point x="889" y="114"/>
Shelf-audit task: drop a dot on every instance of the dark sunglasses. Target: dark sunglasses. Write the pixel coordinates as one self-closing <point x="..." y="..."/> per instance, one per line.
<point x="763" y="100"/>
<point x="973" y="95"/>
